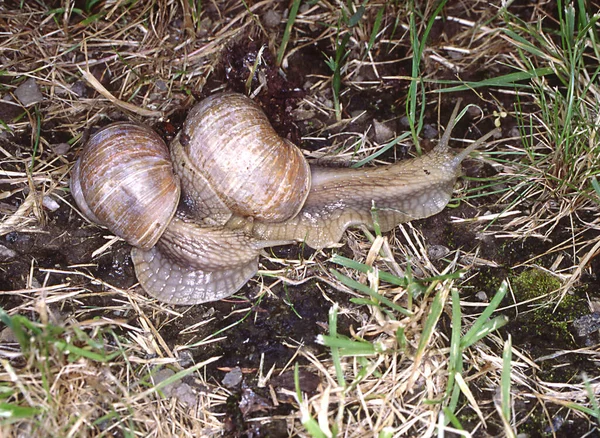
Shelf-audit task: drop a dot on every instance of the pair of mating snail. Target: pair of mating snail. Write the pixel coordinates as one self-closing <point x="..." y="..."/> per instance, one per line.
<point x="242" y="189"/>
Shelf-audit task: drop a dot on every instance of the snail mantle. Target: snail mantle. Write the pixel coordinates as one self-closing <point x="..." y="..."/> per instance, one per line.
<point x="199" y="212"/>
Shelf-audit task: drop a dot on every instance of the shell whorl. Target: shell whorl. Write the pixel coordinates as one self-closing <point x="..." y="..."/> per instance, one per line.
<point x="124" y="180"/>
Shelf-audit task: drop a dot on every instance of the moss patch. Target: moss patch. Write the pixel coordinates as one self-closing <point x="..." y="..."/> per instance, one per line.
<point x="534" y="283"/>
<point x="547" y="321"/>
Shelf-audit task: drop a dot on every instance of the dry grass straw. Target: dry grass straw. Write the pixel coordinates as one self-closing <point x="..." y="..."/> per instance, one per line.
<point x="141" y="61"/>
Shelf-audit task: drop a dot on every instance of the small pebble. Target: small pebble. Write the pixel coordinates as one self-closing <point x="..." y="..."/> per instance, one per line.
<point x="587" y="324"/>
<point x="205" y="27"/>
<point x="162" y="375"/>
<point x="29" y="93"/>
<point x="383" y="132"/>
<point x="309" y="382"/>
<point x="9" y="109"/>
<point x="181" y="391"/>
<point x="557" y="422"/>
<point x="514" y="132"/>
<point x="328" y="103"/>
<point x="50" y="204"/>
<point x="7" y="336"/>
<point x="79" y="88"/>
<point x="6" y="253"/>
<point x="272" y="18"/>
<point x="429" y="132"/>
<point x="474" y="111"/>
<point x="481" y="296"/>
<point x="302" y="114"/>
<point x="161" y="85"/>
<point x="60" y="148"/>
<point x="185" y="358"/>
<point x="232" y="378"/>
<point x="35" y="283"/>
<point x="436" y="252"/>
<point x="455" y="55"/>
<point x="252" y="402"/>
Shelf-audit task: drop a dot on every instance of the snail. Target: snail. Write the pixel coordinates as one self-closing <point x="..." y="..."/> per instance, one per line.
<point x="198" y="225"/>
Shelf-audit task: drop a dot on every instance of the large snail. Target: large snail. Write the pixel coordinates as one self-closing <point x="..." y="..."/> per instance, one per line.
<point x="243" y="189"/>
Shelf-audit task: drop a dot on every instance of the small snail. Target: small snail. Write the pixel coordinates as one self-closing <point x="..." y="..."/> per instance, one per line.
<point x="243" y="188"/>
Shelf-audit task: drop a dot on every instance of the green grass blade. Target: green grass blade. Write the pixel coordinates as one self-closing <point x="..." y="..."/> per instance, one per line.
<point x="76" y="352"/>
<point x="287" y="32"/>
<point x="510" y="80"/>
<point x="455" y="358"/>
<point x="10" y="411"/>
<point x="432" y="319"/>
<point x="366" y="269"/>
<point x="414" y="91"/>
<point x="382" y="150"/>
<point x="349" y="347"/>
<point x="505" y="402"/>
<point x="482" y="325"/>
<point x="367" y="290"/>
<point x="335" y="353"/>
<point x="376" y="27"/>
<point x="15" y="323"/>
<point x="484" y="329"/>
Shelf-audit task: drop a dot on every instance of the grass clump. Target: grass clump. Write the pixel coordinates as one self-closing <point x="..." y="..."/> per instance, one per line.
<point x="63" y="379"/>
<point x="390" y="346"/>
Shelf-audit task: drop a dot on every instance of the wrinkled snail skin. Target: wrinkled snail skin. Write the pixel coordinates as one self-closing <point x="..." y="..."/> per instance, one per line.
<point x="212" y="250"/>
<point x="341" y="198"/>
<point x="193" y="264"/>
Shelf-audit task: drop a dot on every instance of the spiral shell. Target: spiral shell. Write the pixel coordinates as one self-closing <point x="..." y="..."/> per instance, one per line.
<point x="252" y="170"/>
<point x="124" y="180"/>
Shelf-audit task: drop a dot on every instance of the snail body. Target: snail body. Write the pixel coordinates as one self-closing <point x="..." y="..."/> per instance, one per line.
<point x="265" y="194"/>
<point x="340" y="198"/>
<point x="191" y="264"/>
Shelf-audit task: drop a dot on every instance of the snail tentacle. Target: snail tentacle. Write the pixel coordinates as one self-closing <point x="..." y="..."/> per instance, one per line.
<point x="444" y="144"/>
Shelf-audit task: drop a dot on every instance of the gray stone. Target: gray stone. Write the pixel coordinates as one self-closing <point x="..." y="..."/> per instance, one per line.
<point x="29" y="93"/>
<point x="232" y="378"/>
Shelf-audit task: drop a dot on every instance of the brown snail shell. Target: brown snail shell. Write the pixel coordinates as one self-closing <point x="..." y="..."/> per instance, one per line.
<point x="124" y="180"/>
<point x="228" y="139"/>
<point x="213" y="255"/>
